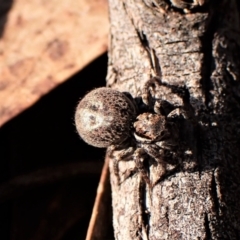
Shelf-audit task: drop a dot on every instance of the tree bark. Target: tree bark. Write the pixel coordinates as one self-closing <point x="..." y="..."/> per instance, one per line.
<point x="197" y="50"/>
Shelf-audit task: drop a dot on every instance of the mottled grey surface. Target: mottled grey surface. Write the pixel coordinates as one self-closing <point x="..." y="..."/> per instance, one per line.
<point x="195" y="50"/>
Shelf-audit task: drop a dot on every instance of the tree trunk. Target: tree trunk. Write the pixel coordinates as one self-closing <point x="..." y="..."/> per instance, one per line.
<point x="194" y="49"/>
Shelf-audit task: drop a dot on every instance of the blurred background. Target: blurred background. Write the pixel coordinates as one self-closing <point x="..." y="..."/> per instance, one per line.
<point x="51" y="54"/>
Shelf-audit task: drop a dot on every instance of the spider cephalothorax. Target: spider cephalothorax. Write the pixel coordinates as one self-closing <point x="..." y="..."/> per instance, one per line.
<point x="108" y="118"/>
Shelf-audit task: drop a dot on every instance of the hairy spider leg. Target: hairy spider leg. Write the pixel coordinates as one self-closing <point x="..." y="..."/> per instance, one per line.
<point x="120" y="155"/>
<point x="139" y="157"/>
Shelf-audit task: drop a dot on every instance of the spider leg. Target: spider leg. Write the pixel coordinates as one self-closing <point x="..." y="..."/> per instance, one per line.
<point x="139" y="157"/>
<point x="158" y="154"/>
<point x="132" y="102"/>
<point x="148" y="91"/>
<point x="162" y="107"/>
<point x="153" y="151"/>
<point x="177" y="113"/>
<point x="157" y="105"/>
<point x="120" y="155"/>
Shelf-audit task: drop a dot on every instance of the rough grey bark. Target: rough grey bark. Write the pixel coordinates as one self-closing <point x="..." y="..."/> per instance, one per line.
<point x="199" y="51"/>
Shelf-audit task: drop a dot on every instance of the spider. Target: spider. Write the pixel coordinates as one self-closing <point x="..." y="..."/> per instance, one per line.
<point x="154" y="134"/>
<point x="132" y="130"/>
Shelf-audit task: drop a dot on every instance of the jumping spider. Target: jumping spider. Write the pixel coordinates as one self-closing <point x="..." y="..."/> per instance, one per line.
<point x="132" y="130"/>
<point x="154" y="134"/>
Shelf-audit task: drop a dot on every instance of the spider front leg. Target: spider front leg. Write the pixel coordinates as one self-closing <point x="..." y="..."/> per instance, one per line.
<point x="139" y="158"/>
<point x="155" y="152"/>
<point x="165" y="162"/>
<point x="154" y="96"/>
<point x="148" y="95"/>
<point x="162" y="98"/>
<point x="124" y="154"/>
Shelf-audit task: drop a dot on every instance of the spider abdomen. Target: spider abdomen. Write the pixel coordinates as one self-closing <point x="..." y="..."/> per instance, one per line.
<point x="104" y="117"/>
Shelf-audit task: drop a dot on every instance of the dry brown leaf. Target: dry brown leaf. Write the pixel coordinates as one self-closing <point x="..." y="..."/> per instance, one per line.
<point x="44" y="43"/>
